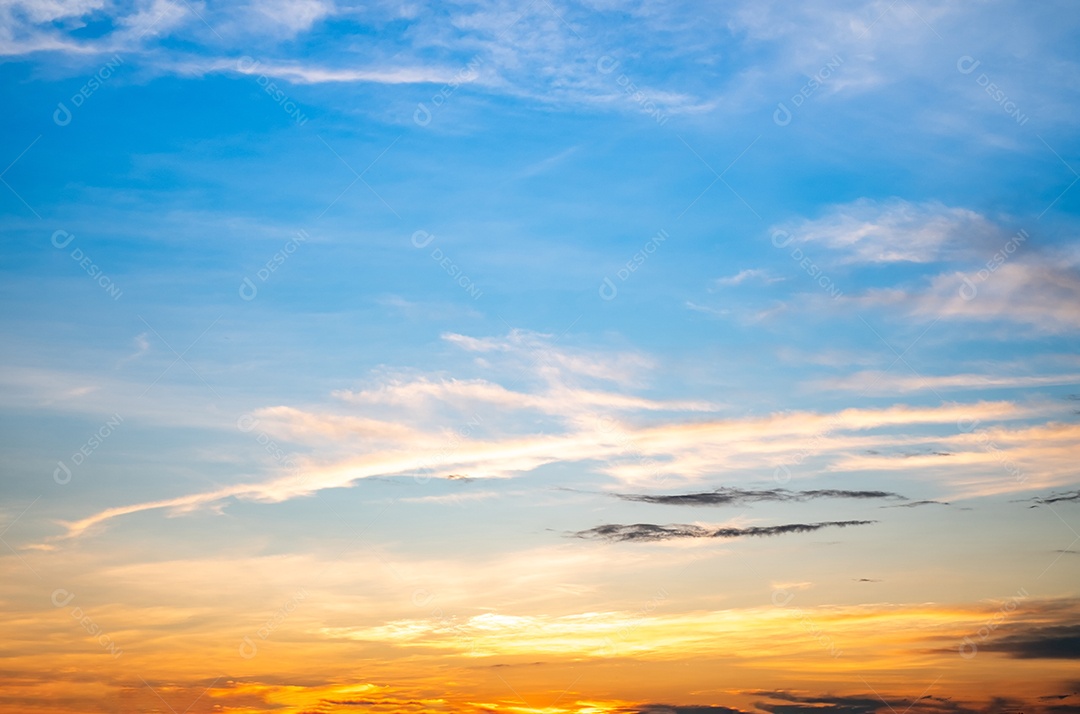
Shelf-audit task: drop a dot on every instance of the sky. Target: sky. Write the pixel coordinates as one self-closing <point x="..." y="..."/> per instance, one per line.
<point x="544" y="357"/>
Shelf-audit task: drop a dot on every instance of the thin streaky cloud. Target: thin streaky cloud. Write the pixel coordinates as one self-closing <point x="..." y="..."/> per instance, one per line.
<point x="648" y="532"/>
<point x="735" y="496"/>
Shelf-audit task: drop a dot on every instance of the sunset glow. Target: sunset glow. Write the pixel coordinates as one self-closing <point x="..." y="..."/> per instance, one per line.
<point x="540" y="358"/>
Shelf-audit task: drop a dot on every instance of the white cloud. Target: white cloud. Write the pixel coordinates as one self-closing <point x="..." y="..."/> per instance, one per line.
<point x="868" y="231"/>
<point x="875" y="382"/>
<point x="1039" y="292"/>
<point x="658" y="455"/>
<point x="744" y="275"/>
<point x="291" y="17"/>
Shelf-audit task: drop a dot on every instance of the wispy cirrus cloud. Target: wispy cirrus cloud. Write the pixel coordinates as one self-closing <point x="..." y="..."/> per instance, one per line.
<point x="749" y="274"/>
<point x="877" y="382"/>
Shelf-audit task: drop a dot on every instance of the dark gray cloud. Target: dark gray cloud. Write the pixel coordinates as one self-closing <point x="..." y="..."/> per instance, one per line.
<point x="870" y="704"/>
<point x="736" y="496"/>
<point x="672" y="709"/>
<point x="1056" y="642"/>
<point x="915" y="504"/>
<point x="782" y="702"/>
<point x="1062" y="709"/>
<point x="652" y="532"/>
<point x="1067" y="496"/>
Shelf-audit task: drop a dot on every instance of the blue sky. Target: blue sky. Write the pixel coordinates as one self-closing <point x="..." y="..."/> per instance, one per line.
<point x="309" y="264"/>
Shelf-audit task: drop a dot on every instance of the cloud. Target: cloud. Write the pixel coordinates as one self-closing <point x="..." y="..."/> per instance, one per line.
<point x="312" y="74"/>
<point x="649" y="532"/>
<point x="985" y="460"/>
<point x="744" y="275"/>
<point x="1037" y="291"/>
<point x="544" y="165"/>
<point x="1056" y="642"/>
<point x="874" y="703"/>
<point x="1067" y="496"/>
<point x="442" y="427"/>
<point x="540" y="350"/>
<point x="876" y="382"/>
<point x="453" y="498"/>
<point x="423" y="392"/>
<point x="290" y="17"/>
<point x="349" y="449"/>
<point x="869" y="232"/>
<point x="142" y="346"/>
<point x="737" y="496"/>
<point x="686" y="709"/>
<point x="984" y="271"/>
